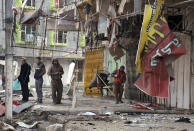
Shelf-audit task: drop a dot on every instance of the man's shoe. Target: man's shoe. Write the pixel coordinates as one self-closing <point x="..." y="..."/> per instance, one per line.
<point x="121" y="101"/>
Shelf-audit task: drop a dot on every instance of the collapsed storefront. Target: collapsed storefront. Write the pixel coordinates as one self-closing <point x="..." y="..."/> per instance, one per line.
<point x="112" y="32"/>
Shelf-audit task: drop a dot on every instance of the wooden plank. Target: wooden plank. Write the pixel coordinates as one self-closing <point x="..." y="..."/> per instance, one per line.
<point x="187" y="72"/>
<point x="172" y="94"/>
<point x="192" y="77"/>
<point x="174" y="85"/>
<point x="180" y="96"/>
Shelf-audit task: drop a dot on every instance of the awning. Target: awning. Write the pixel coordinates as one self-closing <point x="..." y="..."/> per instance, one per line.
<point x="31" y="18"/>
<point x="67" y="18"/>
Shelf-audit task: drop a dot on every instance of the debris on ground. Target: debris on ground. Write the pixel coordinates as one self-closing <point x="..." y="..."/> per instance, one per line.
<point x="92" y="124"/>
<point x="128" y="122"/>
<point x="87" y="114"/>
<point x="55" y="127"/>
<point x="183" y="119"/>
<point x="6" y="127"/>
<point x="145" y="105"/>
<point x="22" y="124"/>
<point x="23" y="107"/>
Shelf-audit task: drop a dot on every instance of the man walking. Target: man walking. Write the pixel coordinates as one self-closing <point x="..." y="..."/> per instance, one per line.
<point x="24" y="79"/>
<point x="119" y="80"/>
<point x="56" y="72"/>
<point x="38" y="76"/>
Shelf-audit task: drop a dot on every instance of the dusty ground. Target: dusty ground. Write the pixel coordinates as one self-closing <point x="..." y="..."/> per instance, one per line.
<point x="49" y="114"/>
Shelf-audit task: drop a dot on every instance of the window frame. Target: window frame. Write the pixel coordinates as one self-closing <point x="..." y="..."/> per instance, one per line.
<point x="24" y="30"/>
<point x="19" y="5"/>
<point x="53" y="42"/>
<point x="64" y="37"/>
<point x="33" y="3"/>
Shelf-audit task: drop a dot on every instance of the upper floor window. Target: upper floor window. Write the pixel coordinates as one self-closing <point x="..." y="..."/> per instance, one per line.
<point x="61" y="37"/>
<point x="62" y="3"/>
<point x="27" y="33"/>
<point x="30" y="3"/>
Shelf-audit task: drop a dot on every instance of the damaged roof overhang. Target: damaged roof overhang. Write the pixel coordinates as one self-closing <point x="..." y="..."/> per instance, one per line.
<point x="182" y="4"/>
<point x="66" y="21"/>
<point x="67" y="18"/>
<point x="31" y="18"/>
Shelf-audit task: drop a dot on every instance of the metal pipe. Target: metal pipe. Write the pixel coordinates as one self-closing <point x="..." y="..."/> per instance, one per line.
<point x="181" y="3"/>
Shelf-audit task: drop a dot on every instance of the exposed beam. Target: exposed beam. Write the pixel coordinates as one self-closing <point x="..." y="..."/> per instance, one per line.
<point x="181" y="3"/>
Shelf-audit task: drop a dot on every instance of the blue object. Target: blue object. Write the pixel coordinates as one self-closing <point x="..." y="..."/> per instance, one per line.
<point x="16" y="85"/>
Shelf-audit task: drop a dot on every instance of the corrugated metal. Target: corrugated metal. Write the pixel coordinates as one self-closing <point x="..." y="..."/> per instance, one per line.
<point x="94" y="59"/>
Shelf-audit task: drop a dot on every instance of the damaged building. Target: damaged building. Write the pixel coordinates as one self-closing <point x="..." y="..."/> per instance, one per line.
<point x="112" y="31"/>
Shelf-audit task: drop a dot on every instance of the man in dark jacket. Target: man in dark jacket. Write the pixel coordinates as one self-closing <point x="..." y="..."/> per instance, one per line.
<point x="119" y="80"/>
<point x="38" y="76"/>
<point x="56" y="72"/>
<point x="24" y="79"/>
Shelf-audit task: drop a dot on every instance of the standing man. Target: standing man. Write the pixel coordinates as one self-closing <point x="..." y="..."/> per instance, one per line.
<point x="56" y="72"/>
<point x="119" y="80"/>
<point x="24" y="79"/>
<point x="38" y="76"/>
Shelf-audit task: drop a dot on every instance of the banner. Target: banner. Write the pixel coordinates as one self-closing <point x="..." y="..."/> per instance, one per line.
<point x="151" y="14"/>
<point x="162" y="45"/>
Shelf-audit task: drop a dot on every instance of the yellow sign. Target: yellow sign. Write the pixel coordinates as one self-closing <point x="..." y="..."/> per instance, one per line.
<point x="151" y="13"/>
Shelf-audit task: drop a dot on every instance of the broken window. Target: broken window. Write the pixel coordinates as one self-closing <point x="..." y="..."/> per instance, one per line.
<point x="175" y="18"/>
<point x="30" y="3"/>
<point x="27" y="33"/>
<point x="61" y="37"/>
<point x="175" y="22"/>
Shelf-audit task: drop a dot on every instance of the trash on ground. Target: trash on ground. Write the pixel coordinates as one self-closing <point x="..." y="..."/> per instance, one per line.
<point x="137" y="125"/>
<point x="6" y="127"/>
<point x="92" y="124"/>
<point x="150" y="115"/>
<point x="87" y="114"/>
<point x="22" y="124"/>
<point x="128" y="122"/>
<point x="145" y="105"/>
<point x="23" y="107"/>
<point x="183" y="119"/>
<point x="55" y="127"/>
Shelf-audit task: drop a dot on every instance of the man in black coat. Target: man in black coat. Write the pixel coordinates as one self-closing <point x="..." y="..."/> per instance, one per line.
<point x="24" y="79"/>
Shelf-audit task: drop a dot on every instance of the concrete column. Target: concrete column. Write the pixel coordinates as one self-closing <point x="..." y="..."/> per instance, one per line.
<point x="9" y="61"/>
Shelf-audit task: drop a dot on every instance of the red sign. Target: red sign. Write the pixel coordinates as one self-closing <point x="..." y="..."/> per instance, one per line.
<point x="155" y="79"/>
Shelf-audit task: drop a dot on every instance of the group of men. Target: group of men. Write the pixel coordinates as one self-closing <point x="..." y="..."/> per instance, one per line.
<point x="55" y="71"/>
